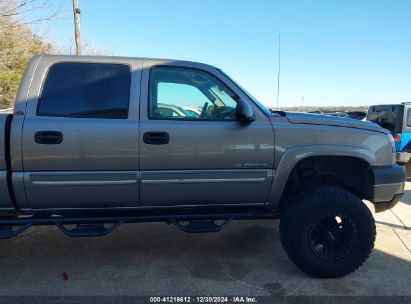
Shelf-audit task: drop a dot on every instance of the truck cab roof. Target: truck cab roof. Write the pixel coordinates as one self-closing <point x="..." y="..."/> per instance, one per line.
<point x="105" y="58"/>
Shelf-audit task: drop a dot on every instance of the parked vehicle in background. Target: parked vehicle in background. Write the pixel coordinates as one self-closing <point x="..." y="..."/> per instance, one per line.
<point x="170" y="111"/>
<point x="397" y="119"/>
<point x="95" y="142"/>
<point x="354" y="114"/>
<point x="357" y="115"/>
<point x="195" y="112"/>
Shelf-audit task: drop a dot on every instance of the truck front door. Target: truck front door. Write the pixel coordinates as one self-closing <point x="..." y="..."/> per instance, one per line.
<point x="80" y="135"/>
<point x="193" y="149"/>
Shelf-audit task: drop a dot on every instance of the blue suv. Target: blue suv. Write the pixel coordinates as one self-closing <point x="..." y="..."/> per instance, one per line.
<point x="397" y="119"/>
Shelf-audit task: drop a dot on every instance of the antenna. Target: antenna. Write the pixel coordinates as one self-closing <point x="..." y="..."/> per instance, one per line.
<point x="279" y="69"/>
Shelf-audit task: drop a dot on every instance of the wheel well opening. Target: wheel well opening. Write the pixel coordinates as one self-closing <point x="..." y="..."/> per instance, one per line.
<point x="349" y="173"/>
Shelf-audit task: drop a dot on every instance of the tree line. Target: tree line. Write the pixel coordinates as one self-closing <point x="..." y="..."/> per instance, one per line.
<point x="18" y="44"/>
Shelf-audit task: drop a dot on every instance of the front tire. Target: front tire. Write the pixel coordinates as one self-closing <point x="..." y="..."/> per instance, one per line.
<point x="327" y="232"/>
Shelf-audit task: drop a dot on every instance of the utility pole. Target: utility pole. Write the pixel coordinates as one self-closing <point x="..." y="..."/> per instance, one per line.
<point x="77" y="35"/>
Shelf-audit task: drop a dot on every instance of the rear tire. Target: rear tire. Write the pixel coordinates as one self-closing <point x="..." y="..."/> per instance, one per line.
<point x="327" y="232"/>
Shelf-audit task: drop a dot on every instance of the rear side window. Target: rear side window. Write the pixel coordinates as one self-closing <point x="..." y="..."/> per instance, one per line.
<point x="387" y="116"/>
<point x="86" y="90"/>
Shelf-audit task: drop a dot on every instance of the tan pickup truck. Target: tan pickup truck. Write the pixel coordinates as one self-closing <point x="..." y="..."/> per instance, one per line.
<point x="95" y="142"/>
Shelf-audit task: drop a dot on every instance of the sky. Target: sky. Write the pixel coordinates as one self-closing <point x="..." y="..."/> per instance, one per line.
<point x="333" y="52"/>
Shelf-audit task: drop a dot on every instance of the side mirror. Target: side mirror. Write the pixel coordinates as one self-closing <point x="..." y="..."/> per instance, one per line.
<point x="243" y="112"/>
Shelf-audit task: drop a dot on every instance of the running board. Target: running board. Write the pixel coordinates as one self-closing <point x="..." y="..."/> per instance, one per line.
<point x="204" y="226"/>
<point x="88" y="230"/>
<point x="99" y="225"/>
<point x="7" y="232"/>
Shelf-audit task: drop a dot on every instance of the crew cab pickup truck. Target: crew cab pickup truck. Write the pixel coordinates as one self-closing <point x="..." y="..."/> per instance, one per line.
<point x="94" y="142"/>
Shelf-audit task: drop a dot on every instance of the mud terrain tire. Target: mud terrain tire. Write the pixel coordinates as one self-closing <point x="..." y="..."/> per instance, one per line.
<point x="327" y="232"/>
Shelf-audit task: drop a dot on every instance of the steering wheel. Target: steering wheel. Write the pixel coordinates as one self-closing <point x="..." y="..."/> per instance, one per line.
<point x="228" y="113"/>
<point x="224" y="112"/>
<point x="204" y="110"/>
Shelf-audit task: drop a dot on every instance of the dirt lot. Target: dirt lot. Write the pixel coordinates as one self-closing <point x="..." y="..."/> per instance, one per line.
<point x="156" y="259"/>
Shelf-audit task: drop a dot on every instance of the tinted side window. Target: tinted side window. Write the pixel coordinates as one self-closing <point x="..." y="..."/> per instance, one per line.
<point x="86" y="90"/>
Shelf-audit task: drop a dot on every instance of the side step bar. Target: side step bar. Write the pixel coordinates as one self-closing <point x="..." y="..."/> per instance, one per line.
<point x="202" y="226"/>
<point x="101" y="225"/>
<point x="87" y="230"/>
<point x="7" y="232"/>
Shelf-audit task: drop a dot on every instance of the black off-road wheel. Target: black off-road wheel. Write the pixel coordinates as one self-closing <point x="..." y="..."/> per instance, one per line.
<point x="327" y="232"/>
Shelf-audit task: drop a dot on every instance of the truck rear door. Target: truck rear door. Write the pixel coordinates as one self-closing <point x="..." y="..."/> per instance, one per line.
<point x="80" y="134"/>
